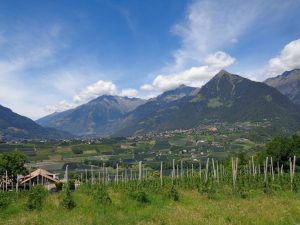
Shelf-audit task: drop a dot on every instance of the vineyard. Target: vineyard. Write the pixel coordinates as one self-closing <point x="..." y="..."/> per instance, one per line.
<point x="212" y="193"/>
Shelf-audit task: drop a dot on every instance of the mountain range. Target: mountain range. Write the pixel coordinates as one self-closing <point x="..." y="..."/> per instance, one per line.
<point x="93" y="117"/>
<point x="15" y="126"/>
<point x="225" y="98"/>
<point x="288" y="83"/>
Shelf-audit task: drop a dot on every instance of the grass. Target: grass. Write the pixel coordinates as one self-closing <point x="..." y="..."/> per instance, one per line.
<point x="280" y="208"/>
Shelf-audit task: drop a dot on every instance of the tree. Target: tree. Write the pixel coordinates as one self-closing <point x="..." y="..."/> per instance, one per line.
<point x="36" y="197"/>
<point x="281" y="148"/>
<point x="66" y="197"/>
<point x="13" y="163"/>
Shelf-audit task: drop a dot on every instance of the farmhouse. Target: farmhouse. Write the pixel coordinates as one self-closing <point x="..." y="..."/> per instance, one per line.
<point x="39" y="176"/>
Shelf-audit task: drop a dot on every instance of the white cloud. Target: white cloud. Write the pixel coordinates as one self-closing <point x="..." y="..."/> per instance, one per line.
<point x="33" y="58"/>
<point x="146" y="87"/>
<point x="97" y="89"/>
<point x="288" y="59"/>
<point x="219" y="60"/>
<point x="209" y="25"/>
<point x="59" y="107"/>
<point x="129" y="92"/>
<point x="194" y="76"/>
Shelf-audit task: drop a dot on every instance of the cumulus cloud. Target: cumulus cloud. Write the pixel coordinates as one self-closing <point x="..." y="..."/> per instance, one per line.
<point x="194" y="76"/>
<point x="288" y="59"/>
<point x="97" y="89"/>
<point x="59" y="107"/>
<point x="219" y="60"/>
<point x="90" y="92"/>
<point x="146" y="87"/>
<point x="209" y="25"/>
<point x="129" y="92"/>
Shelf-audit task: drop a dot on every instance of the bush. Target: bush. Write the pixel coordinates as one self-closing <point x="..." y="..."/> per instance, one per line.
<point x="36" y="197"/>
<point x="66" y="198"/>
<point x="77" y="150"/>
<point x="4" y="200"/>
<point x="207" y="189"/>
<point x="101" y="195"/>
<point x="173" y="194"/>
<point x="59" y="186"/>
<point x="140" y="196"/>
<point x="71" y="184"/>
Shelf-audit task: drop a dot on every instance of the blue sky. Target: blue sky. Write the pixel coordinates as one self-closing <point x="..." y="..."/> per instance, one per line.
<point x="58" y="54"/>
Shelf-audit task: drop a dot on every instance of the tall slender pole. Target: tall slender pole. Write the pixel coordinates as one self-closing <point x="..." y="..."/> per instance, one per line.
<point x="181" y="169"/>
<point x="200" y="168"/>
<point x="140" y="170"/>
<point x="86" y="176"/>
<point x="161" y="175"/>
<point x="272" y="169"/>
<point x="6" y="180"/>
<point x="117" y="175"/>
<point x="173" y="171"/>
<point x="66" y="173"/>
<point x="206" y="171"/>
<point x="92" y="174"/>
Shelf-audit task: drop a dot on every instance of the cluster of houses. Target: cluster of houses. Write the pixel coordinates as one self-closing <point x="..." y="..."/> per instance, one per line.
<point x="39" y="176"/>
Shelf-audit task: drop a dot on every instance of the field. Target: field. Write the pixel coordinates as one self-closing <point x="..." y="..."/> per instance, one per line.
<point x="193" y="208"/>
<point x="189" y="145"/>
<point x="186" y="178"/>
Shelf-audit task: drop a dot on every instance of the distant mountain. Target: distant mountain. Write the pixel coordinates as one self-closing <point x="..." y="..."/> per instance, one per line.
<point x="226" y="97"/>
<point x="152" y="115"/>
<point x="175" y="94"/>
<point x="14" y="126"/>
<point x="288" y="84"/>
<point x="93" y="117"/>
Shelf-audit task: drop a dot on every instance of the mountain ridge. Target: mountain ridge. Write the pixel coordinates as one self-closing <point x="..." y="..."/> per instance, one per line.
<point x="288" y="83"/>
<point x="91" y="118"/>
<point x="15" y="126"/>
<point x="226" y="97"/>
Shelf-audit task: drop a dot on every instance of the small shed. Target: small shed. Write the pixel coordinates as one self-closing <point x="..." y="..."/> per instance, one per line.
<point x="39" y="176"/>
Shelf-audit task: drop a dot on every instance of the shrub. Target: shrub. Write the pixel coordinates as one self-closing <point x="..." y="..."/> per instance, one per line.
<point x="77" y="150"/>
<point x="207" y="189"/>
<point x="59" y="186"/>
<point x="36" y="197"/>
<point x="4" y="200"/>
<point x="71" y="184"/>
<point x="66" y="198"/>
<point x="140" y="196"/>
<point x="173" y="194"/>
<point x="101" y="195"/>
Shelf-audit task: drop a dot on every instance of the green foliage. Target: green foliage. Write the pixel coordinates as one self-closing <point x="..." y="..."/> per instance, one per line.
<point x="67" y="198"/>
<point x="207" y="189"/>
<point x="13" y="163"/>
<point x="36" y="197"/>
<point x="282" y="148"/>
<point x="101" y="195"/>
<point x="173" y="194"/>
<point x="140" y="196"/>
<point x="77" y="150"/>
<point x="243" y="191"/>
<point x="59" y="186"/>
<point x="4" y="199"/>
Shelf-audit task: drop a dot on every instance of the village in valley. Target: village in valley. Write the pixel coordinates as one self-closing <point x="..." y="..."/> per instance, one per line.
<point x="47" y="161"/>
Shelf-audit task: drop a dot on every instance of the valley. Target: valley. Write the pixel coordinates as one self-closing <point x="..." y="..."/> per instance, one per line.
<point x="218" y="141"/>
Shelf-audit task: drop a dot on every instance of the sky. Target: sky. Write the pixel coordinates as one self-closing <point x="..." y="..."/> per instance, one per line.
<point x="58" y="54"/>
